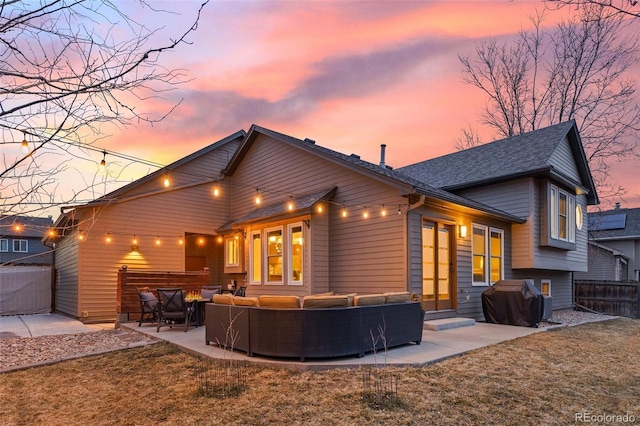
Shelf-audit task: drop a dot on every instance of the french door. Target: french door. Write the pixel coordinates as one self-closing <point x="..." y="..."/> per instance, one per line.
<point x="438" y="275"/>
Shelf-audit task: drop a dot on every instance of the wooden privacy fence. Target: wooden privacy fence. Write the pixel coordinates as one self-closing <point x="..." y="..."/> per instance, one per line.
<point x="128" y="306"/>
<point x="621" y="298"/>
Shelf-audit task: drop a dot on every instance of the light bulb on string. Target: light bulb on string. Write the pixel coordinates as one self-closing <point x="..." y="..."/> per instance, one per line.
<point x="103" y="162"/>
<point x="258" y="200"/>
<point x="25" y="145"/>
<point x="216" y="190"/>
<point x="365" y="214"/>
<point x="157" y="240"/>
<point x="290" y="204"/>
<point x="108" y="238"/>
<point x="344" y="212"/>
<point x="383" y="212"/>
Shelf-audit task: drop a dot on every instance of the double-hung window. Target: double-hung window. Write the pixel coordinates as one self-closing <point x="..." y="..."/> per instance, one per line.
<point x="255" y="258"/>
<point x="561" y="231"/>
<point x="4" y="245"/>
<point x="487" y="247"/>
<point x="20" y="246"/>
<point x="274" y="254"/>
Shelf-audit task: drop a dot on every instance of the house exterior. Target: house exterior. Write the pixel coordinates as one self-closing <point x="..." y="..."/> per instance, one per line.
<point x="292" y="217"/>
<point x="21" y="240"/>
<point x="614" y="245"/>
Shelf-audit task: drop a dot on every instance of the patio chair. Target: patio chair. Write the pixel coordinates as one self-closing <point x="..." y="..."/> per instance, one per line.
<point x="148" y="305"/>
<point x="241" y="291"/>
<point x="172" y="308"/>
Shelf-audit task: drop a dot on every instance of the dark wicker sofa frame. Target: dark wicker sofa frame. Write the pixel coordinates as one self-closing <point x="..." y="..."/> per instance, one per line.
<point x="313" y="333"/>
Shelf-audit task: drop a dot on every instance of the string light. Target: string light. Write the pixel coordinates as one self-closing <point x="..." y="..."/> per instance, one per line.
<point x="180" y="241"/>
<point x="344" y="212"/>
<point x="157" y="240"/>
<point x="365" y="214"/>
<point x="103" y="162"/>
<point x="290" y="204"/>
<point x="166" y="182"/>
<point x="383" y="212"/>
<point x="258" y="200"/>
<point x="81" y="236"/>
<point x="108" y="239"/>
<point x="25" y="144"/>
<point x="399" y="209"/>
<point x="17" y="227"/>
<point x="216" y="190"/>
<point x="319" y="209"/>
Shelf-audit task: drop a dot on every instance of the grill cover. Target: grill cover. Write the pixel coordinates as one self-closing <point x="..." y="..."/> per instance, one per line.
<point x="513" y="302"/>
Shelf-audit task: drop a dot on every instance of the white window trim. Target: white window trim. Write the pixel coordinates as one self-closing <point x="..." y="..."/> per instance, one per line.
<point x="227" y="263"/>
<point x="289" y="264"/>
<point x="487" y="254"/>
<point x="252" y="258"/>
<point x="486" y="249"/>
<point x="266" y="256"/>
<point x="501" y="232"/>
<point x="4" y="245"/>
<point x="554" y="201"/>
<point x="542" y="283"/>
<point x="26" y="246"/>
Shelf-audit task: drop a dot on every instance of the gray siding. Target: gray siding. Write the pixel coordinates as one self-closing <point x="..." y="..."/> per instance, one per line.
<point x="66" y="278"/>
<point x="561" y="285"/>
<point x="602" y="265"/>
<point x="562" y="160"/>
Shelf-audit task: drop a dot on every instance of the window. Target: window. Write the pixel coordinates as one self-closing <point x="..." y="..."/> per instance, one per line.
<point x="232" y="251"/>
<point x="296" y="254"/>
<point x="545" y="287"/>
<point x="274" y="256"/>
<point x="496" y="252"/>
<point x="479" y="249"/>
<point x="562" y="215"/>
<point x="487" y="246"/>
<point x="20" y="246"/>
<point x="4" y="245"/>
<point x="255" y="258"/>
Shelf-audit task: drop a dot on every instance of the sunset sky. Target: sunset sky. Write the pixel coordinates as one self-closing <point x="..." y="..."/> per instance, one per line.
<point x="350" y="75"/>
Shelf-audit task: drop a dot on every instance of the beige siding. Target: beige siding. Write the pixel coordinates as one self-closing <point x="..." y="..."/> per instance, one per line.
<point x="365" y="255"/>
<point x="155" y="211"/>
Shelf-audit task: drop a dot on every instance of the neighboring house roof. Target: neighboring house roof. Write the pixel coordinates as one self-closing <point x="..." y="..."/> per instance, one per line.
<point x="524" y="155"/>
<point x="31" y="227"/>
<point x="616" y="224"/>
<point x="392" y="177"/>
<point x="613" y="251"/>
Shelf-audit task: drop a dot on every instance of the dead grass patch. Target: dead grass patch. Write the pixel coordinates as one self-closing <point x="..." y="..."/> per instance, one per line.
<point x="545" y="378"/>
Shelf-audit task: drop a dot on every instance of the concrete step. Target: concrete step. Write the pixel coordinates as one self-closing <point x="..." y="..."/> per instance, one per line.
<point x="448" y="323"/>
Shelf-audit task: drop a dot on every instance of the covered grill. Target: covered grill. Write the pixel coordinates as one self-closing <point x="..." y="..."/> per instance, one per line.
<point x="513" y="302"/>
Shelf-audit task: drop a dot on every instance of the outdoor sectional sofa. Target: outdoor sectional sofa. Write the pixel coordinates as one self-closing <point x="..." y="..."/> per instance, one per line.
<point x="281" y="326"/>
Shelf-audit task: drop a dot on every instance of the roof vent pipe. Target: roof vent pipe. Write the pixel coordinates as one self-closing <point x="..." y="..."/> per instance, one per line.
<point x="617" y="206"/>
<point x="383" y="147"/>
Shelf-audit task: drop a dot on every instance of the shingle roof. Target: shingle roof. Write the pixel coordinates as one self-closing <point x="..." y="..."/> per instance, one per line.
<point x="518" y="155"/>
<point x="32" y="227"/>
<point x="392" y="176"/>
<point x="631" y="224"/>
<point x="301" y="203"/>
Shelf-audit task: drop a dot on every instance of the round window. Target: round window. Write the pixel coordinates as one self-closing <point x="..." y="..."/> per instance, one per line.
<point x="579" y="217"/>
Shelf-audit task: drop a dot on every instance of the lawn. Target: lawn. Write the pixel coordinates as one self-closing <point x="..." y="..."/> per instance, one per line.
<point x="546" y="378"/>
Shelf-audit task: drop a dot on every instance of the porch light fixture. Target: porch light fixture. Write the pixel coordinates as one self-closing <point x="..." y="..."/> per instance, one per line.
<point x="166" y="182"/>
<point x="25" y="144"/>
<point x="134" y="244"/>
<point x="462" y="231"/>
<point x="180" y="241"/>
<point x="319" y="209"/>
